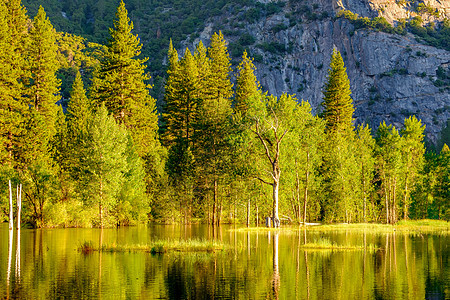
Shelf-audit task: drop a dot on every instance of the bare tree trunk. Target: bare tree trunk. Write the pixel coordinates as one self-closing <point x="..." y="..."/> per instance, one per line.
<point x="275" y="219"/>
<point x="19" y="205"/>
<point x="11" y="220"/>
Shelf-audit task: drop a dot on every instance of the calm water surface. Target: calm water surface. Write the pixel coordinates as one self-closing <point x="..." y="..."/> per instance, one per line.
<point x="45" y="264"/>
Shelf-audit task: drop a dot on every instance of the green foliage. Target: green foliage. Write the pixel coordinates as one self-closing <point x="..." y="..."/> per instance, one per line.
<point x="337" y="103"/>
<point x="110" y="173"/>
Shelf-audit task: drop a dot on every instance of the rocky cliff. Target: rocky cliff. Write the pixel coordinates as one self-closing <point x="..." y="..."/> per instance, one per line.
<point x="392" y="76"/>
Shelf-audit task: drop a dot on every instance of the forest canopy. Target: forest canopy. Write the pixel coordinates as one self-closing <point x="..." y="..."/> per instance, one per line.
<point x="218" y="151"/>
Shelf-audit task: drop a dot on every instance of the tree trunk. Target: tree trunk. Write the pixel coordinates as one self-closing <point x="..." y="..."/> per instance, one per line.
<point x="100" y="204"/>
<point x="297" y="191"/>
<point x="305" y="200"/>
<point x="405" y="205"/>
<point x="19" y="205"/>
<point x="275" y="219"/>
<point x="386" y="197"/>
<point x="214" y="212"/>
<point x="11" y="220"/>
<point x="257" y="216"/>
<point x="248" y="212"/>
<point x="364" y="195"/>
<point x="394" y="202"/>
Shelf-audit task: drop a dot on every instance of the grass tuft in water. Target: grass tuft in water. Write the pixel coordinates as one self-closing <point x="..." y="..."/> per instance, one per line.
<point x="86" y="247"/>
<point x="163" y="246"/>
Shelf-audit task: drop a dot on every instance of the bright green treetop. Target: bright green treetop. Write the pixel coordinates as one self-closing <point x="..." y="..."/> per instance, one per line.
<point x="337" y="103"/>
<point x="78" y="110"/>
<point x="247" y="85"/>
<point x="219" y="84"/>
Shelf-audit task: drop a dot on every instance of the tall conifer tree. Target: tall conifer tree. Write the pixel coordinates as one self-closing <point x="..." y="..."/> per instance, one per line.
<point x="78" y="109"/>
<point x="337" y="103"/>
<point x="214" y="115"/>
<point x="11" y="105"/>
<point x="339" y="162"/>
<point x="247" y="86"/>
<point x="44" y="88"/>
<point x="120" y="83"/>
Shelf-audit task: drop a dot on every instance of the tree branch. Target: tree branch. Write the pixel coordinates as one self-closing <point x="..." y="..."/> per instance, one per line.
<point x="263" y="142"/>
<point x="263" y="181"/>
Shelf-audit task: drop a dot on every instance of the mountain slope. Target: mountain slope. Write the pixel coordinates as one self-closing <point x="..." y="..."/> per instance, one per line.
<point x="393" y="72"/>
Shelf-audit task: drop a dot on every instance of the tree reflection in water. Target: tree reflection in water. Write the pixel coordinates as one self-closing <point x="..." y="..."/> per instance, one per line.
<point x="276" y="270"/>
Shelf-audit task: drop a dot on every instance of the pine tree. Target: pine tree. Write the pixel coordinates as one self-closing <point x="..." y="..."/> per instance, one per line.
<point x="78" y="115"/>
<point x="78" y="109"/>
<point x="337" y="103"/>
<point x="44" y="88"/>
<point x="171" y="97"/>
<point x="11" y="105"/>
<point x="214" y="115"/>
<point x="119" y="83"/>
<point x="218" y="84"/>
<point x="247" y="86"/>
<point x="339" y="165"/>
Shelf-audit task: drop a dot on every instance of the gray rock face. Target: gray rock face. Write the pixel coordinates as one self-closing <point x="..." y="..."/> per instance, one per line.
<point x="391" y="76"/>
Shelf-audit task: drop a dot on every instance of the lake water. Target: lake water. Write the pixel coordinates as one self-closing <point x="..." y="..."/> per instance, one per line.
<point x="46" y="265"/>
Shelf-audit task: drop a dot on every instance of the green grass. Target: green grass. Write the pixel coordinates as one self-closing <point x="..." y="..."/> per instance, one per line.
<point x="163" y="246"/>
